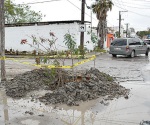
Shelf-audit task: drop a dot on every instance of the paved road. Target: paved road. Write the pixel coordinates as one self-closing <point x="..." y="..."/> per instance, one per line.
<point x="123" y="68"/>
<point x="133" y="73"/>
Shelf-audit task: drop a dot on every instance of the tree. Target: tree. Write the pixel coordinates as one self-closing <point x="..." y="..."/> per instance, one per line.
<point x="20" y="13"/>
<point x="117" y="34"/>
<point x="101" y="7"/>
<point x="141" y="34"/>
<point x="148" y="29"/>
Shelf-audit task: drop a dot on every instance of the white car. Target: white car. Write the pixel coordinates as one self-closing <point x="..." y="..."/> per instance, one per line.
<point x="128" y="47"/>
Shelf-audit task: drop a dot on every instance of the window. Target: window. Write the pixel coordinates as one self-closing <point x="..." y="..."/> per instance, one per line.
<point x="137" y="41"/>
<point x="143" y="43"/>
<point x="119" y="42"/>
<point x="131" y="42"/>
<point x="147" y="42"/>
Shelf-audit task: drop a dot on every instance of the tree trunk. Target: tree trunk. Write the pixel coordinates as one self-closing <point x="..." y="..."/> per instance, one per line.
<point x="101" y="34"/>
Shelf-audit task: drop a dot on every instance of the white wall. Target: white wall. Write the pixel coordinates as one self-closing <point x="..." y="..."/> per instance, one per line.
<point x="14" y="35"/>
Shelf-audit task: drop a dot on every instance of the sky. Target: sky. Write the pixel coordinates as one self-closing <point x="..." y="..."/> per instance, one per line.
<point x="138" y="15"/>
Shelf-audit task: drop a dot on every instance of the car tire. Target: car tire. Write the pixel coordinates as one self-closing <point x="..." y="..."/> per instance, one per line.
<point x="114" y="55"/>
<point x="132" y="55"/>
<point x="147" y="52"/>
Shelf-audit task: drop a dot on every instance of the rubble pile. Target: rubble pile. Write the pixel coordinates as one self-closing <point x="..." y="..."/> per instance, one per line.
<point x="77" y="86"/>
<point x="36" y="79"/>
<point x="93" y="84"/>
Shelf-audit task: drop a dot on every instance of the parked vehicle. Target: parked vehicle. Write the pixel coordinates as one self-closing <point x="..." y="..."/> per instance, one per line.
<point x="128" y="47"/>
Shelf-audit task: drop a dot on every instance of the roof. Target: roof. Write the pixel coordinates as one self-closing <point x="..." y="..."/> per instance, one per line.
<point x="45" y="23"/>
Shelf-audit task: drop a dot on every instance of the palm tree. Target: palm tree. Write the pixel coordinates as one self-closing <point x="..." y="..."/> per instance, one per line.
<point x="101" y="7"/>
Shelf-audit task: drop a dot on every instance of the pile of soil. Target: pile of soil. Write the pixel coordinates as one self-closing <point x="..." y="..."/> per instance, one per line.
<point x="75" y="87"/>
<point x="36" y="79"/>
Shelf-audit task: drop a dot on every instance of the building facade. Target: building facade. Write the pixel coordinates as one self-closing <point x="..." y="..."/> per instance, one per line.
<point x="15" y="33"/>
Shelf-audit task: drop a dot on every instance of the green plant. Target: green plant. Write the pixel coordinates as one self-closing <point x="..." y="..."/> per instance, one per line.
<point x="49" y="48"/>
<point x="94" y="38"/>
<point x="76" y="51"/>
<point x="50" y="74"/>
<point x="98" y="49"/>
<point x="69" y="41"/>
<point x="107" y="77"/>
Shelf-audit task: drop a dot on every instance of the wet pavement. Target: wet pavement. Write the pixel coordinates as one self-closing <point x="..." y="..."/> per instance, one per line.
<point x="133" y="73"/>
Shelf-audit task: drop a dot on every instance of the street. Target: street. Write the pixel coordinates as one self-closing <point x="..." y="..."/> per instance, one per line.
<point x="132" y="73"/>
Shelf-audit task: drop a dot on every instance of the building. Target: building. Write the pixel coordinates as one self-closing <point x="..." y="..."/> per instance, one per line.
<point x="15" y="33"/>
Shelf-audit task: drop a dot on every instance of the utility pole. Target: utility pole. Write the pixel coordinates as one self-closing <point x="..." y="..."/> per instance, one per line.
<point x="120" y="21"/>
<point x="2" y="40"/>
<point x="91" y="24"/>
<point x="82" y="22"/>
<point x="127" y="24"/>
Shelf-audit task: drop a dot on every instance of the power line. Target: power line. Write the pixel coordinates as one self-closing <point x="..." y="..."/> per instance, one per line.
<point x="85" y="13"/>
<point x="135" y="3"/>
<point x="80" y="9"/>
<point x="122" y="3"/>
<point x="115" y="3"/>
<point x="119" y="2"/>
<point x="60" y="0"/>
<point x="134" y="12"/>
<point x="39" y="2"/>
<point x="133" y="6"/>
<point x="141" y="1"/>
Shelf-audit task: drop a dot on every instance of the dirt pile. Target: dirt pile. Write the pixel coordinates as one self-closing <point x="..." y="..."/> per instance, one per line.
<point x="36" y="79"/>
<point x="93" y="84"/>
<point x="78" y="86"/>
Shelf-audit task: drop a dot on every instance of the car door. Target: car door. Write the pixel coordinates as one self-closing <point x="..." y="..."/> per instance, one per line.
<point x="138" y="46"/>
<point x="144" y="47"/>
<point x="141" y="47"/>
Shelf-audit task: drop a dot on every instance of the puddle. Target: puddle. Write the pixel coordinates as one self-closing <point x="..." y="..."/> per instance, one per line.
<point x="30" y="122"/>
<point x="119" y="111"/>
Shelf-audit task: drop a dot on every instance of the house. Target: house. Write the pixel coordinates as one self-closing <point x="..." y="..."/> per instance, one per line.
<point x="15" y="33"/>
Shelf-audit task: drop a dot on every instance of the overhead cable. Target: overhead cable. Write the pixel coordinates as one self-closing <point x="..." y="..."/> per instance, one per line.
<point x="133" y="12"/>
<point x="39" y="2"/>
<point x="80" y="9"/>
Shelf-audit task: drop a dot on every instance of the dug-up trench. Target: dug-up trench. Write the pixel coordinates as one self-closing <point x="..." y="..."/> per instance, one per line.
<point x="66" y="87"/>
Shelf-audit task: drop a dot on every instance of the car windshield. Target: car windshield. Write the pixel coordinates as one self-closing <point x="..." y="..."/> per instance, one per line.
<point x="119" y="42"/>
<point x="147" y="41"/>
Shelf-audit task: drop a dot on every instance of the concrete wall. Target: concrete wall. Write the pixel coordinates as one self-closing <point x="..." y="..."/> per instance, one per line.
<point x="14" y="35"/>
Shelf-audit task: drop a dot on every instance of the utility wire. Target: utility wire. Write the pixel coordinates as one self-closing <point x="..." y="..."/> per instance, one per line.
<point x="80" y="9"/>
<point x="59" y="0"/>
<point x="134" y="12"/>
<point x="135" y="3"/>
<point x="133" y="6"/>
<point x="85" y="13"/>
<point x="118" y="2"/>
<point x="141" y="1"/>
<point x="39" y="2"/>
<point x="119" y="6"/>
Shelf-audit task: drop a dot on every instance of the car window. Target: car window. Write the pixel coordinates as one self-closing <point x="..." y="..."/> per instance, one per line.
<point x="142" y="42"/>
<point x="131" y="42"/>
<point x="147" y="42"/>
<point x="137" y="41"/>
<point x="119" y="42"/>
